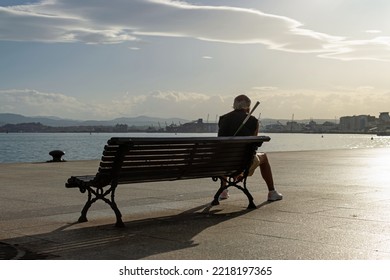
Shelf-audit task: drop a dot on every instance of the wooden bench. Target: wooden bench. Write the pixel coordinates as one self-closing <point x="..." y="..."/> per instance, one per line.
<point x="138" y="160"/>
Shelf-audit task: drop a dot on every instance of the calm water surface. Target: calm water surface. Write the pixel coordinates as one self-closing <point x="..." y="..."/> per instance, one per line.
<point x="35" y="147"/>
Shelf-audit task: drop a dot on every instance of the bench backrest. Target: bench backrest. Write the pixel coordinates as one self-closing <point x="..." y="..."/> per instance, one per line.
<point x="128" y="160"/>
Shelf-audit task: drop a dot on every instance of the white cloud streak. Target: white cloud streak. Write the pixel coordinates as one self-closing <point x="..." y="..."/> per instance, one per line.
<point x="115" y="21"/>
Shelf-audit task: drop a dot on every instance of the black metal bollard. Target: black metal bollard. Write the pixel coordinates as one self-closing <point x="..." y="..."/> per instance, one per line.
<point x="57" y="156"/>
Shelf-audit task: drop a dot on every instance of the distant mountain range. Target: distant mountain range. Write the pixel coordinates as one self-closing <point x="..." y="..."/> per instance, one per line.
<point x="6" y="118"/>
<point x="140" y="121"/>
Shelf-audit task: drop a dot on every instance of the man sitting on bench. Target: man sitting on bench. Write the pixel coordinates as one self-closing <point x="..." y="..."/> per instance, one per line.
<point x="230" y="125"/>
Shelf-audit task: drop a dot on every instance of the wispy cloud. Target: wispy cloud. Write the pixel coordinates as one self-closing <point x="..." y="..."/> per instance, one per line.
<point x="337" y="102"/>
<point x="158" y="104"/>
<point x="275" y="103"/>
<point x="115" y="21"/>
<point x="374" y="49"/>
<point x="39" y="103"/>
<point x="188" y="105"/>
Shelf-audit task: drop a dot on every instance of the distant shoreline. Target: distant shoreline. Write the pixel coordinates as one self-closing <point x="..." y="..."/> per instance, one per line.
<point x="168" y="132"/>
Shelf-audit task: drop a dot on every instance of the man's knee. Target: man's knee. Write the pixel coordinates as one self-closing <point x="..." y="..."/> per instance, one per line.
<point x="263" y="158"/>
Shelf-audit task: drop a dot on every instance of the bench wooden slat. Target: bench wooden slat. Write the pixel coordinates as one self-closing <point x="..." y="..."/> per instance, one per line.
<point x="191" y="163"/>
<point x="163" y="150"/>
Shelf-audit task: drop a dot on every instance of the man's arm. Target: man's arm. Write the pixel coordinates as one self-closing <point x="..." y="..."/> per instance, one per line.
<point x="257" y="130"/>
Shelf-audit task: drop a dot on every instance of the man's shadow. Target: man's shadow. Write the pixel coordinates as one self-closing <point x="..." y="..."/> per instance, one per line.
<point x="137" y="240"/>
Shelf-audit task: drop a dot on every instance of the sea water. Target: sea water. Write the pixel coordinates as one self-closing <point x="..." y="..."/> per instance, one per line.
<point x="35" y="147"/>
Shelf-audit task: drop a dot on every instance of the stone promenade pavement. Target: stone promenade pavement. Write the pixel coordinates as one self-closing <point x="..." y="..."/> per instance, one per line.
<point x="336" y="206"/>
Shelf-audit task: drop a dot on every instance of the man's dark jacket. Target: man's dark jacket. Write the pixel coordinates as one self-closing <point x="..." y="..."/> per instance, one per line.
<point x="230" y="122"/>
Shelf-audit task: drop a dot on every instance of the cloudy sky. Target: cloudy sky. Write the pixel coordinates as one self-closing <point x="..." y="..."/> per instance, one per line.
<point x="99" y="59"/>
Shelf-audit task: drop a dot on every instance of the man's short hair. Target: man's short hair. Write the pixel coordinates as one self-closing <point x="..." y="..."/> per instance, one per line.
<point x="241" y="102"/>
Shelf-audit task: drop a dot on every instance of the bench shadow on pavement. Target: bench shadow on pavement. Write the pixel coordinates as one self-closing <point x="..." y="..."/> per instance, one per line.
<point x="139" y="239"/>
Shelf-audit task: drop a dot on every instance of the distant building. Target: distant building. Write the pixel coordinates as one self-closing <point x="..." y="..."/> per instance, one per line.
<point x="294" y="126"/>
<point x="329" y="127"/>
<point x="276" y="127"/>
<point x="197" y="126"/>
<point x="384" y="117"/>
<point x="312" y="126"/>
<point x="121" y="128"/>
<point x="384" y="122"/>
<point x="359" y="123"/>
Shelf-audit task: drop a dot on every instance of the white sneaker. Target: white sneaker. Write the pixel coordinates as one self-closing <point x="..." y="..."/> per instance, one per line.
<point x="224" y="195"/>
<point x="274" y="196"/>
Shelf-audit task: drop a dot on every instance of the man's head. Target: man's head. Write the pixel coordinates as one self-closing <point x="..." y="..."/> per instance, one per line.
<point x="242" y="102"/>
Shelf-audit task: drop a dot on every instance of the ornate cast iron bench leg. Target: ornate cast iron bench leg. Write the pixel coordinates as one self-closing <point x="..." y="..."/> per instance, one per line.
<point x="99" y="194"/>
<point x="231" y="181"/>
